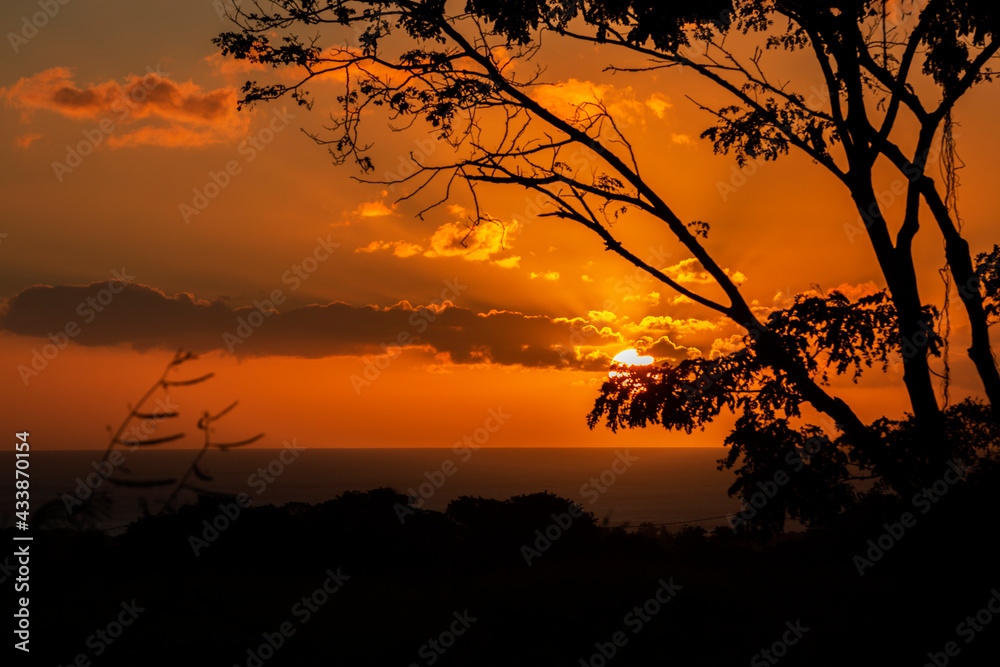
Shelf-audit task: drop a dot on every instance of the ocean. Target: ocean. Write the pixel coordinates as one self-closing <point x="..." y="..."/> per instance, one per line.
<point x="620" y="486"/>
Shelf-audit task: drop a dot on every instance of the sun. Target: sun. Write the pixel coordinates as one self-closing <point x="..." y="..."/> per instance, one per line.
<point x="631" y="358"/>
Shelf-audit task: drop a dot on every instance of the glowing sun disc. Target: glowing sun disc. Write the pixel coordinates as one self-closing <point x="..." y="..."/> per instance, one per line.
<point x="631" y="358"/>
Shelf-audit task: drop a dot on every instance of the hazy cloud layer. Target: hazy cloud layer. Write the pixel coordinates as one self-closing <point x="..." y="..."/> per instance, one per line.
<point x="144" y="318"/>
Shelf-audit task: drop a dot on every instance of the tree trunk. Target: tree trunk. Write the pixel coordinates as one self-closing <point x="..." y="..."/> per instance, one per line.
<point x="960" y="263"/>
<point x="914" y="331"/>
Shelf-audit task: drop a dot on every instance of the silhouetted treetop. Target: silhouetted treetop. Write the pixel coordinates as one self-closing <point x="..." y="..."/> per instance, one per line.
<point x="468" y="72"/>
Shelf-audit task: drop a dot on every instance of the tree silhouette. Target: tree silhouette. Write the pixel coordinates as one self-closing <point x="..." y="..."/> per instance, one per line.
<point x="90" y="504"/>
<point x="465" y="70"/>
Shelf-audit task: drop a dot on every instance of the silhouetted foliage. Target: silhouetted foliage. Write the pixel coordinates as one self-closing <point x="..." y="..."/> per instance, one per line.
<point x="988" y="275"/>
<point x="407" y="579"/>
<point x="827" y="334"/>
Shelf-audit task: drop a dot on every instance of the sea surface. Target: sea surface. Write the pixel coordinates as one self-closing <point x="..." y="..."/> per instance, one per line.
<point x="659" y="485"/>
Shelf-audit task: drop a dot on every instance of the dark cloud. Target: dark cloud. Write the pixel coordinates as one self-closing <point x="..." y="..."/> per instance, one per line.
<point x="183" y="115"/>
<point x="664" y="348"/>
<point x="120" y="313"/>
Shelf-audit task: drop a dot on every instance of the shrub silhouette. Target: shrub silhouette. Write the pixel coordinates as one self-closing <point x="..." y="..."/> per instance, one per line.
<point x="139" y="429"/>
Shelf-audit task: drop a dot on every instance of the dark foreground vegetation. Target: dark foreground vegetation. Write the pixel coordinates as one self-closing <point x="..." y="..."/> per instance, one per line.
<point x="454" y="588"/>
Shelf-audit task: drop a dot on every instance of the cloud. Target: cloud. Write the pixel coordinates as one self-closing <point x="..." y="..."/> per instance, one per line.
<point x="570" y="99"/>
<point x="547" y="275"/>
<point x="852" y="291"/>
<point x="784" y="298"/>
<point x="403" y="249"/>
<point x="689" y="272"/>
<point x="399" y="248"/>
<point x="601" y="316"/>
<point x="143" y="317"/>
<point x="659" y="105"/>
<point x="726" y="346"/>
<point x="586" y="279"/>
<point x="663" y="348"/>
<point x="25" y="140"/>
<point x="373" y="209"/>
<point x="662" y="323"/>
<point x="682" y="139"/>
<point x="368" y="209"/>
<point x="652" y="299"/>
<point x="143" y="110"/>
<point x="663" y="336"/>
<point x="509" y="262"/>
<point x="475" y="243"/>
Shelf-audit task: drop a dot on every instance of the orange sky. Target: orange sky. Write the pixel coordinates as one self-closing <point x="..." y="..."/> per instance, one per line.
<point x="353" y="270"/>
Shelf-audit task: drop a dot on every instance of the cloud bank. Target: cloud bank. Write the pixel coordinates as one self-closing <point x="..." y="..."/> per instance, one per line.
<point x="144" y="318"/>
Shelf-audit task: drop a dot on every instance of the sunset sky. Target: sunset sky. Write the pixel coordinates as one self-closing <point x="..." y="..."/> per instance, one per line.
<point x="124" y="156"/>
